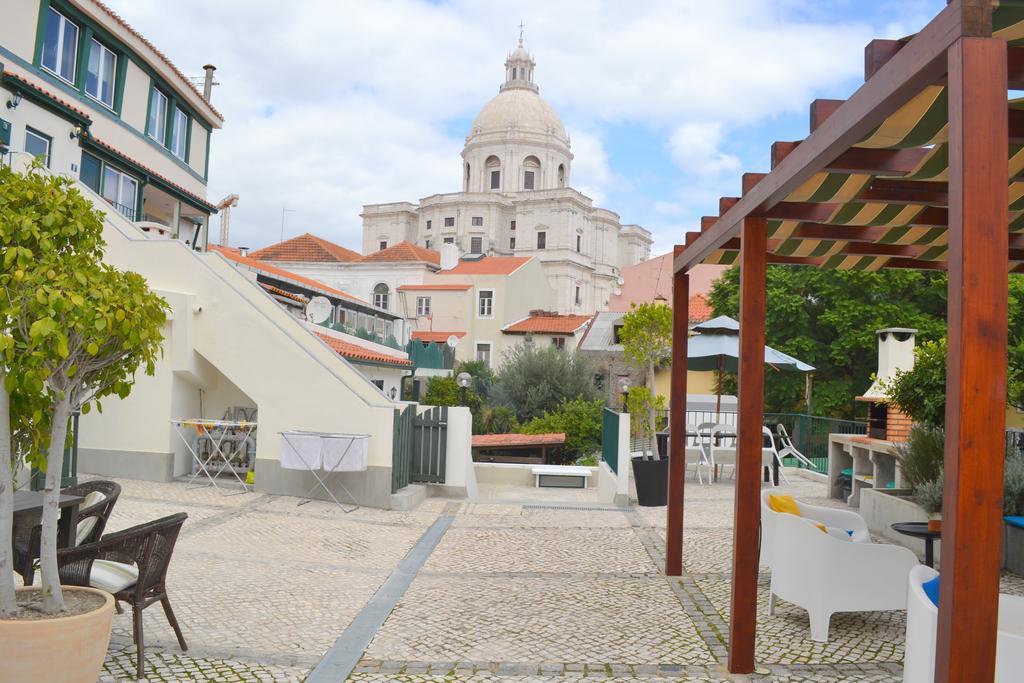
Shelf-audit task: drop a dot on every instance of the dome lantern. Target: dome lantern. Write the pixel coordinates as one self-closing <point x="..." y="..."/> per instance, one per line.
<point x="519" y="68"/>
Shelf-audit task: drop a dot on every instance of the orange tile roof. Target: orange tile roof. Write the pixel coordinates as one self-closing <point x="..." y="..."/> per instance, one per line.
<point x="432" y="287"/>
<point x="357" y="353"/>
<point x="307" y="248"/>
<point x="47" y="93"/>
<point x="489" y="265"/>
<point x="494" y="440"/>
<point x="700" y="309"/>
<point x="233" y="255"/>
<point x="435" y="336"/>
<point x="547" y="323"/>
<point x="404" y="251"/>
<point x="283" y="292"/>
<point x="116" y="17"/>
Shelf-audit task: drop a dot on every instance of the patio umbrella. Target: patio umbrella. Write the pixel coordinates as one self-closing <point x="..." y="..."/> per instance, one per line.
<point x="716" y="347"/>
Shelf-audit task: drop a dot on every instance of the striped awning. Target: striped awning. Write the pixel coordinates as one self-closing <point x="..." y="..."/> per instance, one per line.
<point x="892" y="216"/>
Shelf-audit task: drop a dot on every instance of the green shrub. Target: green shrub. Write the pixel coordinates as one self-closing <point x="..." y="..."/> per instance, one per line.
<point x="579" y="420"/>
<point x="921" y="456"/>
<point x="929" y="495"/>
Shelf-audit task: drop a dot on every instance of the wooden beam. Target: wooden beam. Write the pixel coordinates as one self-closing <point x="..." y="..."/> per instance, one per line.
<point x="877" y="54"/>
<point x="677" y="423"/>
<point x="821" y="109"/>
<point x="878" y="161"/>
<point x="747" y="522"/>
<point x="921" y="62"/>
<point x="749" y="180"/>
<point x="976" y="363"/>
<point x="905" y="192"/>
<point x="781" y="150"/>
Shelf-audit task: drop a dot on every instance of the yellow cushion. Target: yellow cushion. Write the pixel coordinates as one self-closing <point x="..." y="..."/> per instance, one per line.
<point x="824" y="530"/>
<point x="782" y="503"/>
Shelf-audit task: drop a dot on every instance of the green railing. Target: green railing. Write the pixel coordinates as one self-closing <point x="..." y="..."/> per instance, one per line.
<point x="430" y="355"/>
<point x="69" y="472"/>
<point x="810" y="434"/>
<point x="610" y="439"/>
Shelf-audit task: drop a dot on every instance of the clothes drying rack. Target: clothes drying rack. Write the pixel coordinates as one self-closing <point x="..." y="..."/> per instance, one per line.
<point x="217" y="431"/>
<point x="327" y="452"/>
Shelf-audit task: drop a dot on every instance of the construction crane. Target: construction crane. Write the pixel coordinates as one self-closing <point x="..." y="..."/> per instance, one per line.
<point x="224" y="207"/>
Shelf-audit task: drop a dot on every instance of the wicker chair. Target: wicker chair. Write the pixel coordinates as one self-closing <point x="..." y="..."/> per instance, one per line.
<point x="91" y="522"/>
<point x="147" y="548"/>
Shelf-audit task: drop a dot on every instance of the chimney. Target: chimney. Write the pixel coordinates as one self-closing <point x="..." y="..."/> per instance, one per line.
<point x="449" y="256"/>
<point x="895" y="353"/>
<point x="243" y="251"/>
<point x="208" y="81"/>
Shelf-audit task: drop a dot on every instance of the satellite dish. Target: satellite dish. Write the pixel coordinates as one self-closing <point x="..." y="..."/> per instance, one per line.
<point x="318" y="309"/>
<point x="452" y="341"/>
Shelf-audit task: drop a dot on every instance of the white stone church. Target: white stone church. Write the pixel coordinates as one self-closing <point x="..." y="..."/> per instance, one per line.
<point x="517" y="199"/>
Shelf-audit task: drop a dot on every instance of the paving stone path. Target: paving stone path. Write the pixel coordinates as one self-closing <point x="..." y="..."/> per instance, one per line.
<point x="537" y="590"/>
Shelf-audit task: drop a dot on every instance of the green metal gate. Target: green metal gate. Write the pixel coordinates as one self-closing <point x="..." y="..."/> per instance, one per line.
<point x="419" y="447"/>
<point x="610" y="439"/>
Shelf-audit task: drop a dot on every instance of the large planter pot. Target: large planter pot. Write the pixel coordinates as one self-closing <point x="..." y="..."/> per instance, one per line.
<point x="67" y="649"/>
<point x="1013" y="549"/>
<point x="651" y="479"/>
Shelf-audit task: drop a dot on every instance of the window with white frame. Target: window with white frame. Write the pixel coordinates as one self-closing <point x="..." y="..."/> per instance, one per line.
<point x="121" y="190"/>
<point x="99" y="79"/>
<point x="558" y="343"/>
<point x="60" y="46"/>
<point x="157" y="116"/>
<point x="527" y="180"/>
<point x="179" y="134"/>
<point x="38" y="145"/>
<point x="542" y="240"/>
<point x="495" y="180"/>
<point x="422" y="306"/>
<point x="485" y="303"/>
<point x="380" y="296"/>
<point x="476" y="245"/>
<point x="483" y="353"/>
<point x="449" y="222"/>
<point x="477" y="221"/>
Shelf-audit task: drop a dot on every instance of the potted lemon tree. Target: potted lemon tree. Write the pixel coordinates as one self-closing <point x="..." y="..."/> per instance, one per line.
<point x="72" y="331"/>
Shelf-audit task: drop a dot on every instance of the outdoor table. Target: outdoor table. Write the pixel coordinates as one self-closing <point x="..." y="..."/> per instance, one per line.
<point x="28" y="505"/>
<point x="920" y="530"/>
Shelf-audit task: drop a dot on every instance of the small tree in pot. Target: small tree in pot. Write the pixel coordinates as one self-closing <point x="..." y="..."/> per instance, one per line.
<point x="646" y="337"/>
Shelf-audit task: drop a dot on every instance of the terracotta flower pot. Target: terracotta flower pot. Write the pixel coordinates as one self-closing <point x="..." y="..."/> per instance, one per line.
<point x="935" y="525"/>
<point x="65" y="649"/>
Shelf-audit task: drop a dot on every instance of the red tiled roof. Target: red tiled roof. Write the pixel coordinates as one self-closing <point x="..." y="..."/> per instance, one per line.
<point x="547" y="323"/>
<point x="307" y="248"/>
<point x="435" y="336"/>
<point x="404" y="251"/>
<point x="700" y="309"/>
<point x="493" y="440"/>
<point x="489" y="265"/>
<point x="284" y="293"/>
<point x="110" y="148"/>
<point x="184" y="79"/>
<point x="432" y="287"/>
<point x="47" y="93"/>
<point x="357" y="352"/>
<point x="233" y="255"/>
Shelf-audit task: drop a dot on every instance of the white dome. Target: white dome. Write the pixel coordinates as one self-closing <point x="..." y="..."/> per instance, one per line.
<point x="521" y="108"/>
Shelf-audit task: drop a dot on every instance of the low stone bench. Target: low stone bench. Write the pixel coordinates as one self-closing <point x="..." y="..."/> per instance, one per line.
<point x="561" y="476"/>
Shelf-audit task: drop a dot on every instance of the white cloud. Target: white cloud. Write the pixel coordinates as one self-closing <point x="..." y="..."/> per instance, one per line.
<point x="331" y="105"/>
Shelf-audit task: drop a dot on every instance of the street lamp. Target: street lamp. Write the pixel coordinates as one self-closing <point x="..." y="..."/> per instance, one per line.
<point x="463" y="378"/>
<point x="624" y="391"/>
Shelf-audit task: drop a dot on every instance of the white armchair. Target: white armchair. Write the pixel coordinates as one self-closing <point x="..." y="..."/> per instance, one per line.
<point x="830" y="517"/>
<point x="824" y="574"/>
<point x="922" y="621"/>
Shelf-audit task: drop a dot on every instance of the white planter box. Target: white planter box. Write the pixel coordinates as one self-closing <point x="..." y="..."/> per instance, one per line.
<point x="881" y="508"/>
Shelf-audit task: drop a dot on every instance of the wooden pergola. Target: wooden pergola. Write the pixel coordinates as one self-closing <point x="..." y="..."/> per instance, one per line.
<point x="922" y="167"/>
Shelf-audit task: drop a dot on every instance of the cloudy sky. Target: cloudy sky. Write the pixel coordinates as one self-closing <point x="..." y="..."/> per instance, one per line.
<point x="332" y="104"/>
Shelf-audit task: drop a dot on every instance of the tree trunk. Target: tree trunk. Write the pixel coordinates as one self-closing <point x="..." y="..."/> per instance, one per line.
<point x="53" y="598"/>
<point x="651" y="415"/>
<point x="7" y="599"/>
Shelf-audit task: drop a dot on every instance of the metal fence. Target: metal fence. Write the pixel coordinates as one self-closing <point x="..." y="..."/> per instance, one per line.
<point x="610" y="438"/>
<point x="810" y="434"/>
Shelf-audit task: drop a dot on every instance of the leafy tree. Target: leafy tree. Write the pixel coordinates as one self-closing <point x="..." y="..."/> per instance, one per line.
<point x="494" y="420"/>
<point x="442" y="391"/>
<point x="578" y="419"/>
<point x="640" y="401"/>
<point x="483" y="376"/>
<point x="828" y="318"/>
<point x="533" y="380"/>
<point x="646" y="337"/>
<point x="921" y="391"/>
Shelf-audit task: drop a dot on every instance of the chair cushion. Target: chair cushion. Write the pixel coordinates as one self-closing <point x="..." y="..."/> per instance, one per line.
<point x="931" y="589"/>
<point x="783" y="503"/>
<point x="86" y="526"/>
<point x="112" y="576"/>
<point x="1015" y="521"/>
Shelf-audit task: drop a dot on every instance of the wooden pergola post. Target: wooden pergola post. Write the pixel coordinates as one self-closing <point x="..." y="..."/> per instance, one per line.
<point x="677" y="423"/>
<point x="747" y="519"/>
<point x="976" y="364"/>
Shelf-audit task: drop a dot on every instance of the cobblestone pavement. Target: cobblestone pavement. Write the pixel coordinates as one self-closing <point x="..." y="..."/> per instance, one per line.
<point x="537" y="589"/>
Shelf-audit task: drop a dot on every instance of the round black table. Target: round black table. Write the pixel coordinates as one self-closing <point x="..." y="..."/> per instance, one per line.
<point x="920" y="530"/>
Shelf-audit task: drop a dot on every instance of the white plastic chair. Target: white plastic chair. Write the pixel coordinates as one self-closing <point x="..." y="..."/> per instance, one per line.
<point x="824" y="574"/>
<point x="922" y="621"/>
<point x="770" y="455"/>
<point x="789" y="450"/>
<point x="832" y="518"/>
<point x="720" y="453"/>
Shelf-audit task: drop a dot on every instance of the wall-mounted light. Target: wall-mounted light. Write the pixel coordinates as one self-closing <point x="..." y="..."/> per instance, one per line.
<point x="393" y="392"/>
<point x="77" y="132"/>
<point x="13" y="104"/>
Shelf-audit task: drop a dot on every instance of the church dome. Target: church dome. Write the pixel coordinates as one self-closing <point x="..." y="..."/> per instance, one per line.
<point x="519" y="108"/>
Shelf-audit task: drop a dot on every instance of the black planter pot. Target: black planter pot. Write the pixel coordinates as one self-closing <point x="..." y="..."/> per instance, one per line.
<point x="651" y="477"/>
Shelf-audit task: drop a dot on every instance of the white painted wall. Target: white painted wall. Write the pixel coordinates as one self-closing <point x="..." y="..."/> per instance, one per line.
<point x="459" y="471"/>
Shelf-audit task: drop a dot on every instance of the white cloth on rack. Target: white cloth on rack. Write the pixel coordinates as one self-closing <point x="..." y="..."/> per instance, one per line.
<point x="344" y="453"/>
<point x="300" y="451"/>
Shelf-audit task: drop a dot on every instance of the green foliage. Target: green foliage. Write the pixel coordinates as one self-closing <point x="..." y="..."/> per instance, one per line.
<point x="535" y="380"/>
<point x="483" y="376"/>
<point x="828" y="318"/>
<point x="646" y="334"/>
<point x="921" y="456"/>
<point x="494" y="420"/>
<point x="578" y="419"/>
<point x="929" y="495"/>
<point x="921" y="391"/>
<point x="639" y="402"/>
<point x="442" y="391"/>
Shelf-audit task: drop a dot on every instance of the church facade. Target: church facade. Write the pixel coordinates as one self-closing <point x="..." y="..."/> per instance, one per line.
<point x="517" y="200"/>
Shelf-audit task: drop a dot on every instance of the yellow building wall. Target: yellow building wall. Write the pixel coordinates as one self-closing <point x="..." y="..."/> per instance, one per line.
<point x="696" y="382"/>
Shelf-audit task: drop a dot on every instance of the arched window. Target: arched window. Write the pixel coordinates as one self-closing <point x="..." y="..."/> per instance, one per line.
<point x="531" y="172"/>
<point x="561" y="175"/>
<point x="380" y="296"/>
<point x="493" y="165"/>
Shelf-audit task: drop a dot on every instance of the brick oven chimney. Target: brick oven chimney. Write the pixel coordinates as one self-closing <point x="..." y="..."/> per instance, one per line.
<point x="895" y="353"/>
